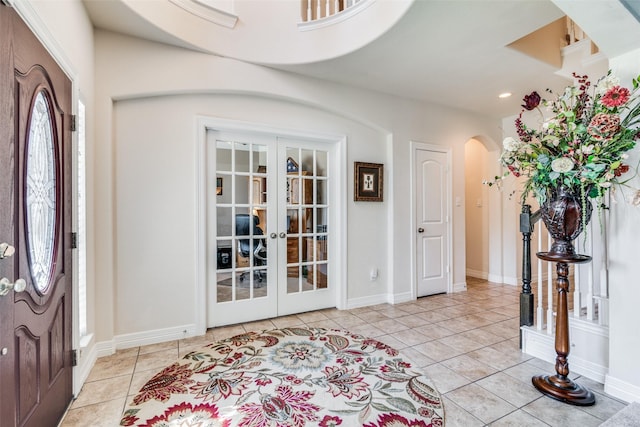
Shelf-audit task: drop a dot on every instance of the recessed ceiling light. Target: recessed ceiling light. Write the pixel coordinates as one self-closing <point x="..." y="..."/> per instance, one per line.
<point x="504" y="95"/>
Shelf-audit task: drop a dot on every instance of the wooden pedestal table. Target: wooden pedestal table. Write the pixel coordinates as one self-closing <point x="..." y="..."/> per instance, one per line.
<point x="559" y="386"/>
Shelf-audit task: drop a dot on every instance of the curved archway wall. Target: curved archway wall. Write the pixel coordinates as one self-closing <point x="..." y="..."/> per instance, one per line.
<point x="477" y="210"/>
<point x="146" y="104"/>
<point x="483" y="211"/>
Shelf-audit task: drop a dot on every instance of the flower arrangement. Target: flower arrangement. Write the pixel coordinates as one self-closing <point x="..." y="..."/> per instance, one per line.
<point x="582" y="146"/>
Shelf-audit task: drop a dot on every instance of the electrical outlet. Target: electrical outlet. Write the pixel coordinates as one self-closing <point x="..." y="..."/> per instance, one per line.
<point x="374" y="274"/>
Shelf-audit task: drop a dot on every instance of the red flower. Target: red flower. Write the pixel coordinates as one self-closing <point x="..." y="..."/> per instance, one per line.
<point x="621" y="169"/>
<point x="615" y="97"/>
<point x="513" y="170"/>
<point x="531" y="101"/>
<point x="603" y="127"/>
<point x="171" y="380"/>
<point x="329" y="421"/>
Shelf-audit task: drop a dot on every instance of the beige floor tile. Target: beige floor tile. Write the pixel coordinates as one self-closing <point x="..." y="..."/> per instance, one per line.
<point x="437" y="350"/>
<point x="481" y="403"/>
<point x="455" y="416"/>
<point x="110" y="366"/>
<point x="444" y="378"/>
<point x="169" y="345"/>
<point x="103" y="414"/>
<point x="469" y="368"/>
<point x="560" y="414"/>
<point x="390" y="326"/>
<point x="518" y="418"/>
<point x="157" y="360"/>
<point x="510" y="389"/>
<point x="102" y="391"/>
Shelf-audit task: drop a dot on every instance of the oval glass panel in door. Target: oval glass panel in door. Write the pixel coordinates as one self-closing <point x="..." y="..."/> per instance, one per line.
<point x="40" y="198"/>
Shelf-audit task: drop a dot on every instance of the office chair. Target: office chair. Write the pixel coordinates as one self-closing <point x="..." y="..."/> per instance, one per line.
<point x="244" y="245"/>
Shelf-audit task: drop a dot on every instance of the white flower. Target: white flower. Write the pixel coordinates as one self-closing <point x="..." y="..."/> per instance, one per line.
<point x="561" y="165"/>
<point x="510" y="144"/>
<point x="624" y="156"/>
<point x="606" y="83"/>
<point x="588" y="149"/>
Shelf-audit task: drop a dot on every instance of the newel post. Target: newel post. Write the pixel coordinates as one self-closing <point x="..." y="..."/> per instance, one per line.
<point x="526" y="297"/>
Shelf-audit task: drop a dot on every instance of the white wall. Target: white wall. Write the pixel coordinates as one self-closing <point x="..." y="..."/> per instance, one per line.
<point x="624" y="271"/>
<point x="378" y="129"/>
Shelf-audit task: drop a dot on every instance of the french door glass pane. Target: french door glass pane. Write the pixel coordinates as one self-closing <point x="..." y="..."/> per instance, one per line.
<point x="307" y="215"/>
<point x="241" y="206"/>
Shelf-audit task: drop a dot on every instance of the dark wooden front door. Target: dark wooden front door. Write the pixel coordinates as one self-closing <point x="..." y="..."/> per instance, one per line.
<point x="35" y="203"/>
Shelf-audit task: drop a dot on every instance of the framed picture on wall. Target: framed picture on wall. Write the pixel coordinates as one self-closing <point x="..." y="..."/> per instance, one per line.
<point x="219" y="186"/>
<point x="368" y="179"/>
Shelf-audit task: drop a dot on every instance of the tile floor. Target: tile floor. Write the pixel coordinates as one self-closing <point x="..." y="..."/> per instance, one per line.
<point x="466" y="342"/>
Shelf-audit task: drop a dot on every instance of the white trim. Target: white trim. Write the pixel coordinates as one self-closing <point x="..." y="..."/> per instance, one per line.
<point x="506" y="280"/>
<point x="336" y="17"/>
<point x="203" y="9"/>
<point x="401" y="297"/>
<point x="105" y="348"/>
<point x="459" y="287"/>
<point x="621" y="389"/>
<point x="494" y="278"/>
<point x="342" y="175"/>
<point x="414" y="147"/>
<point x="200" y="293"/>
<point x="86" y="359"/>
<point x="154" y="336"/>
<point x="367" y="301"/>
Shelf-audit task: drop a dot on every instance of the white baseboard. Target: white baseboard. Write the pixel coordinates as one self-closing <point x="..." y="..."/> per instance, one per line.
<point x="106" y="348"/>
<point x="370" y="300"/>
<point x="154" y="336"/>
<point x="477" y="274"/>
<point x="621" y="389"/>
<point x="400" y="298"/>
<point x="495" y="278"/>
<point x="459" y="287"/>
<point x="510" y="281"/>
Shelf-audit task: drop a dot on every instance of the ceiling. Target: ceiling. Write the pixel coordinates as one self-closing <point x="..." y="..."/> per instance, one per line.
<point x="448" y="52"/>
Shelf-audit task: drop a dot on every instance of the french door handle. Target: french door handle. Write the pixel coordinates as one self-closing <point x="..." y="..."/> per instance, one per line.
<point x="273" y="235"/>
<point x="420" y="230"/>
<point x="6" y="250"/>
<point x="5" y="286"/>
<point x="283" y="234"/>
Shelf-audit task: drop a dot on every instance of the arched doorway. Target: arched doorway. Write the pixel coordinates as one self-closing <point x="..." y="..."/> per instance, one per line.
<point x="483" y="211"/>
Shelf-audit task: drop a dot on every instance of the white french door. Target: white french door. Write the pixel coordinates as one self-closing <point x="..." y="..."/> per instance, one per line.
<point x="268" y="217"/>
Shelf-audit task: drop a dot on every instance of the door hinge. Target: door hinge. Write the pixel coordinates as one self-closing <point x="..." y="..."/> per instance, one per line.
<point x="74" y="240"/>
<point x="74" y="357"/>
<point x="74" y="125"/>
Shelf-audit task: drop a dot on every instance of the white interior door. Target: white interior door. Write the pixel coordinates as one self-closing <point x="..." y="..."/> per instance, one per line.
<point x="268" y="214"/>
<point x="432" y="222"/>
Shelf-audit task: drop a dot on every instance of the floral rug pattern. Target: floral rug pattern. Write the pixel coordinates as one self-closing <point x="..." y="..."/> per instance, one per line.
<point x="288" y="377"/>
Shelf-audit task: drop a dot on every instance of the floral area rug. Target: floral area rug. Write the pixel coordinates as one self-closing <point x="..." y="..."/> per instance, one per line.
<point x="288" y="377"/>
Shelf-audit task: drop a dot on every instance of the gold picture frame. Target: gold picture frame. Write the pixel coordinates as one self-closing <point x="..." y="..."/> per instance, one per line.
<point x="368" y="182"/>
